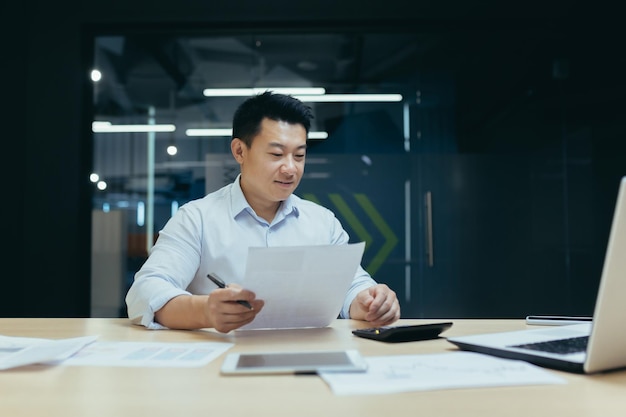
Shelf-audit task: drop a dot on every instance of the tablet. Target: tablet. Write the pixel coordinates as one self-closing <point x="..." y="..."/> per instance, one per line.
<point x="310" y="362"/>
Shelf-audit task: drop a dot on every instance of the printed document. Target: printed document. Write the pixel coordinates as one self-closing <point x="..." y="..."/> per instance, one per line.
<point x="302" y="286"/>
<point x="148" y="354"/>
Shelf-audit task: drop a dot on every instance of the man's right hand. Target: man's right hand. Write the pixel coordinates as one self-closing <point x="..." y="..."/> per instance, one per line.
<point x="219" y="310"/>
<point x="226" y="313"/>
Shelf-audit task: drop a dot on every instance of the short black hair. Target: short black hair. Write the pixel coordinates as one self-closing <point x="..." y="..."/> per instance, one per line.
<point x="280" y="107"/>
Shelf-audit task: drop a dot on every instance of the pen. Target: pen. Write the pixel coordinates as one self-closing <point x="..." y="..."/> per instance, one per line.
<point x="220" y="283"/>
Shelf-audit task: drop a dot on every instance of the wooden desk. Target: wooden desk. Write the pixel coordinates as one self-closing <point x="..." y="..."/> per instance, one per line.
<point x="53" y="391"/>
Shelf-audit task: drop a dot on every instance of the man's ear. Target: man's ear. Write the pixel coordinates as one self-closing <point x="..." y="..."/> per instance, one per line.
<point x="237" y="147"/>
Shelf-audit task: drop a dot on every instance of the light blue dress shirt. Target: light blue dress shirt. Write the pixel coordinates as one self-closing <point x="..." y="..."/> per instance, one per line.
<point x="213" y="234"/>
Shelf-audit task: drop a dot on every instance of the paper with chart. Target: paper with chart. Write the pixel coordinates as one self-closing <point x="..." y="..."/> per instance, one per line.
<point x="450" y="370"/>
<point x="302" y="286"/>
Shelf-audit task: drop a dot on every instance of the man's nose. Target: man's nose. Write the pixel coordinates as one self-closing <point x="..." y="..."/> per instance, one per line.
<point x="289" y="166"/>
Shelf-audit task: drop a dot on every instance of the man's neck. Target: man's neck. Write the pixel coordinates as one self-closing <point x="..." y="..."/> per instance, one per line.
<point x="267" y="213"/>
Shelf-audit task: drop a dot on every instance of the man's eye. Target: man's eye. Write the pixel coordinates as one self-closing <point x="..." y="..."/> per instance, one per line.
<point x="278" y="155"/>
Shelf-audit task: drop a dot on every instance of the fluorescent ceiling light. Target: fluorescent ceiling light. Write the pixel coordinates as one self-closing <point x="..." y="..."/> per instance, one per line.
<point x="209" y="132"/>
<point x="344" y="98"/>
<point x="229" y="132"/>
<point x="308" y="94"/>
<point x="246" y="92"/>
<point x="318" y="135"/>
<point x="107" y="127"/>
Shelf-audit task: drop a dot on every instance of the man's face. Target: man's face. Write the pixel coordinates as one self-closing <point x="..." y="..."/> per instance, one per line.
<point x="272" y="167"/>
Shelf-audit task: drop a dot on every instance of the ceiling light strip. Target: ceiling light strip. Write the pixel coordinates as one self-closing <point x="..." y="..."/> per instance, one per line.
<point x="106" y="127"/>
<point x="346" y="98"/>
<point x="229" y="132"/>
<point x="246" y="92"/>
<point x="209" y="132"/>
<point x="308" y="94"/>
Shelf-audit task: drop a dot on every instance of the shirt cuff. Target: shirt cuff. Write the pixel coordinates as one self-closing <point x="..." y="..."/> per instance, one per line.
<point x="352" y="293"/>
<point x="147" y="318"/>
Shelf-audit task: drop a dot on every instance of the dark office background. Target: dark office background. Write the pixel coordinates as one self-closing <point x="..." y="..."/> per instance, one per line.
<point x="46" y="136"/>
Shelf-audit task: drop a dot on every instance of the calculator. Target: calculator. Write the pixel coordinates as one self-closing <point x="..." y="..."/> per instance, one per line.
<point x="408" y="333"/>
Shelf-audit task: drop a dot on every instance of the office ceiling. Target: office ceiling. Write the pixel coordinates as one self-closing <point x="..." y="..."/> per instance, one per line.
<point x="478" y="89"/>
<point x="484" y="73"/>
<point x="170" y="72"/>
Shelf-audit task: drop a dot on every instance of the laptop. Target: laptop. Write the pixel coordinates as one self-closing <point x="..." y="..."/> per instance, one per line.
<point x="581" y="348"/>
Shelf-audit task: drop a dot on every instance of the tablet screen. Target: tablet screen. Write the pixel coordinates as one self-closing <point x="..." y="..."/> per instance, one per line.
<point x="293" y="359"/>
<point x="293" y="362"/>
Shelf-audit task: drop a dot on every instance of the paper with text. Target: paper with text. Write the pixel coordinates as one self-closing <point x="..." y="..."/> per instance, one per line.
<point x="302" y="286"/>
<point x="402" y="373"/>
<point x="148" y="354"/>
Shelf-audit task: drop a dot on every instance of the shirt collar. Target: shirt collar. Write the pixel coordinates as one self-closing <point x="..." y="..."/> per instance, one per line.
<point x="238" y="200"/>
<point x="240" y="204"/>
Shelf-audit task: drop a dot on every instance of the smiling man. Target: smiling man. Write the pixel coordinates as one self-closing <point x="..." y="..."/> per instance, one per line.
<point x="213" y="234"/>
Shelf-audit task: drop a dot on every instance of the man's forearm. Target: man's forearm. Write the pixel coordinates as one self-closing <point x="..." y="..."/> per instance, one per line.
<point x="184" y="312"/>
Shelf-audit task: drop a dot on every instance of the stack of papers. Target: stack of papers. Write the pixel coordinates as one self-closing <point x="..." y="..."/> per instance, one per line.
<point x="20" y="351"/>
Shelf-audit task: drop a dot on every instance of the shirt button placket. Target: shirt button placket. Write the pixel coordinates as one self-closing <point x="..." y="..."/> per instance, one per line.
<point x="268" y="234"/>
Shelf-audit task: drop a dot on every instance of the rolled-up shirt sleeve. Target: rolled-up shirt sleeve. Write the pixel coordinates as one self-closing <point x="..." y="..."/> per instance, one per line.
<point x="167" y="272"/>
<point x="362" y="281"/>
<point x="146" y="297"/>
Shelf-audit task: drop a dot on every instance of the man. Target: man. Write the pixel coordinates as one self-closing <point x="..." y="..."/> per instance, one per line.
<point x="213" y="234"/>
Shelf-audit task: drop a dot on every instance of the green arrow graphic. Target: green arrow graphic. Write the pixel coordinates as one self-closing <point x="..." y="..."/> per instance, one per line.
<point x="311" y="197"/>
<point x="390" y="238"/>
<point x="351" y="218"/>
<point x="342" y="207"/>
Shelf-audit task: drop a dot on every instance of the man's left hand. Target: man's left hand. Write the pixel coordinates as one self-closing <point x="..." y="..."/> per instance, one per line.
<point x="377" y="305"/>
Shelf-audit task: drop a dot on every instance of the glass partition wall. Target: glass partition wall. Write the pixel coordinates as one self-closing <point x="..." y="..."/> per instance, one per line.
<point x="449" y="153"/>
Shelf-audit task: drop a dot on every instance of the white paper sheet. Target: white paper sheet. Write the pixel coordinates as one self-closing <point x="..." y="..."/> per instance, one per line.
<point x="21" y="351"/>
<point x="402" y="373"/>
<point x="302" y="286"/>
<point x="148" y="354"/>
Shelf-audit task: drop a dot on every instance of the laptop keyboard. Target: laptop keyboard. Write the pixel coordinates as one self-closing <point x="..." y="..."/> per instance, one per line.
<point x="562" y="346"/>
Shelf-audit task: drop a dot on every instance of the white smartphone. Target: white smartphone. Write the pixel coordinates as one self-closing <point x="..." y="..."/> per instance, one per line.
<point x="310" y="362"/>
<point x="557" y="320"/>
